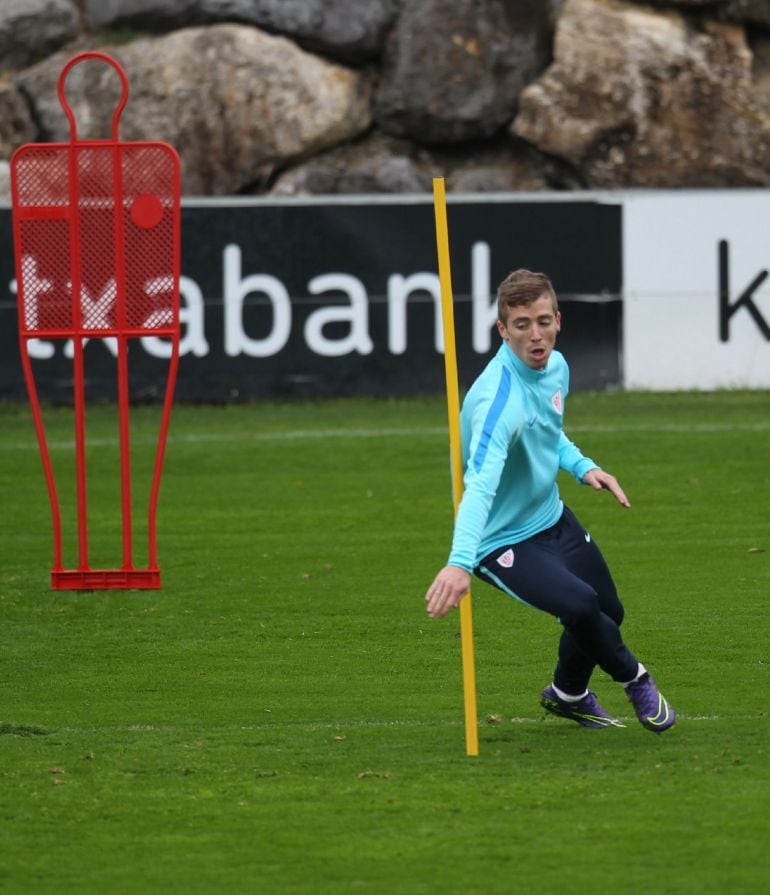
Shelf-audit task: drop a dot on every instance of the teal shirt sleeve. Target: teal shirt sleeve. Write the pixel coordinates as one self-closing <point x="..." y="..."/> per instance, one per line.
<point x="571" y="458"/>
<point x="494" y="422"/>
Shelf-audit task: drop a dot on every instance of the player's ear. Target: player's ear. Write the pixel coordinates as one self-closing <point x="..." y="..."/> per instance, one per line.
<point x="558" y="321"/>
<point x="502" y="330"/>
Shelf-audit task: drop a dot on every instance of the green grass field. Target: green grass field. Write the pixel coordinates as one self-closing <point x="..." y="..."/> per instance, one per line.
<point x="282" y="717"/>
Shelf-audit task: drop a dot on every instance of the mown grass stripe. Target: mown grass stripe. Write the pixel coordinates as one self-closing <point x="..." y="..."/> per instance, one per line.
<point x="387" y="432"/>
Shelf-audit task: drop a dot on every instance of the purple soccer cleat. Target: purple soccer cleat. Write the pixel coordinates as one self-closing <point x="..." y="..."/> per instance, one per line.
<point x="587" y="711"/>
<point x="651" y="707"/>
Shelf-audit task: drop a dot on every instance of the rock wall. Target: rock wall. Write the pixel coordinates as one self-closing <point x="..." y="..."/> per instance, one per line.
<point x="293" y="97"/>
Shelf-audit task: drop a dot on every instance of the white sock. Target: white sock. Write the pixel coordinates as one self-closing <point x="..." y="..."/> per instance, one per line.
<point x="641" y="670"/>
<point x="567" y="697"/>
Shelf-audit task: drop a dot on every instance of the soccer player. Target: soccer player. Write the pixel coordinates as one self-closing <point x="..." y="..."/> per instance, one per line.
<point x="512" y="528"/>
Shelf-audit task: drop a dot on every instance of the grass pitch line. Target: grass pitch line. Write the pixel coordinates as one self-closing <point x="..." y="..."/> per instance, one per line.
<point x="361" y="724"/>
<point x="685" y="428"/>
<point x="224" y="437"/>
<point x="384" y="432"/>
<point x="374" y="723"/>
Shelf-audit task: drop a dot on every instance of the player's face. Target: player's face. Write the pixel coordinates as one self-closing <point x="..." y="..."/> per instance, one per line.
<point x="530" y="331"/>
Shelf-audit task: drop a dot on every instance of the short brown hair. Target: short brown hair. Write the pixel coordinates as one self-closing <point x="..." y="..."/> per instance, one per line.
<point x="522" y="287"/>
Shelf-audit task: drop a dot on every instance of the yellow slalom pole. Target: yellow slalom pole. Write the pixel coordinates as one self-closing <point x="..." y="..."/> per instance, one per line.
<point x="455" y="448"/>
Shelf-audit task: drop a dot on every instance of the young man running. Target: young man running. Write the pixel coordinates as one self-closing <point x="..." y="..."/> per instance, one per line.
<point x="512" y="528"/>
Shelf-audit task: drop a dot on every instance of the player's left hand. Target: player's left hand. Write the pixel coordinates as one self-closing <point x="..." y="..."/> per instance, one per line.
<point x="449" y="587"/>
<point x="600" y="480"/>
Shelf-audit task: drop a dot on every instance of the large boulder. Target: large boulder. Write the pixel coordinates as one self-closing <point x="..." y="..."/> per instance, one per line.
<point x="16" y="125"/>
<point x="149" y="14"/>
<point x="453" y="69"/>
<point x="751" y="11"/>
<point x="374" y="164"/>
<point x="235" y="102"/>
<point x="31" y="28"/>
<point x="638" y="97"/>
<point x="349" y="30"/>
<point x="382" y="164"/>
<point x="761" y="72"/>
<point x="498" y="165"/>
<point x="5" y="181"/>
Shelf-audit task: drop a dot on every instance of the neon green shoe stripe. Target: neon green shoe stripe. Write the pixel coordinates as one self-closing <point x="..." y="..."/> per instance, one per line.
<point x="662" y="707"/>
<point x="607" y="722"/>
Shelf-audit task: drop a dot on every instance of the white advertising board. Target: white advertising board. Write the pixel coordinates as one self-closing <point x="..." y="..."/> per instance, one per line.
<point x="696" y="311"/>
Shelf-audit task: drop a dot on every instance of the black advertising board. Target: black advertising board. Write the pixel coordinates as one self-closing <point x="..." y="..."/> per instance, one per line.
<point x="331" y="298"/>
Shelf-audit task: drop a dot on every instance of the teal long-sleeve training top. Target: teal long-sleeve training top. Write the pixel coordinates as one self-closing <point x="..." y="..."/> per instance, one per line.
<point x="513" y="447"/>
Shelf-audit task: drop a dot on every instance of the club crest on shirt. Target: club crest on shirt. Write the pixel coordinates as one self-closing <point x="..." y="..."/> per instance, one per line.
<point x="506" y="559"/>
<point x="556" y="401"/>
